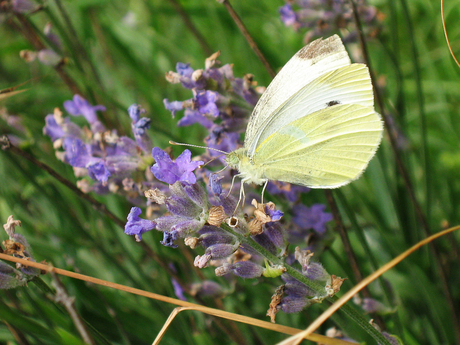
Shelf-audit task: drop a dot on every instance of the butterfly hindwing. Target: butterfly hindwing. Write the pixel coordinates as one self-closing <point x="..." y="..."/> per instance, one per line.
<point x="326" y="149"/>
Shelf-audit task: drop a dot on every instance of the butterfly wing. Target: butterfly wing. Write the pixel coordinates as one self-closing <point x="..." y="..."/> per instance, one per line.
<point x="346" y="85"/>
<point x="312" y="61"/>
<point x="326" y="149"/>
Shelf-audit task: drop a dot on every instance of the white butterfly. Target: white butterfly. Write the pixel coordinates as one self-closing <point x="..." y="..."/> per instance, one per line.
<point x="315" y="125"/>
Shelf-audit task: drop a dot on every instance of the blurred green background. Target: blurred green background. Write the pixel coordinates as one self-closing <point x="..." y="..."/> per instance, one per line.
<point x="117" y="54"/>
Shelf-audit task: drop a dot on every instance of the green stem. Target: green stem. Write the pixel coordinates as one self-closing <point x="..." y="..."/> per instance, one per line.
<point x="352" y="313"/>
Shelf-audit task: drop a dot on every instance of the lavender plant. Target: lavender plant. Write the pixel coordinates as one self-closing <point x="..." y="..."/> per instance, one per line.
<point x="202" y="211"/>
<point x="258" y="240"/>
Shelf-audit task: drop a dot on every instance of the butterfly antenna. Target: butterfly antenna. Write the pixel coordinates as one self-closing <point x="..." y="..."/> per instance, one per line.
<point x="211" y="160"/>
<point x="198" y="146"/>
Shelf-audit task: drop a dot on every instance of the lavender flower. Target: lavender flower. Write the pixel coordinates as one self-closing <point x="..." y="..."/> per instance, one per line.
<point x="217" y="101"/>
<point x="137" y="226"/>
<point x="170" y="172"/>
<point x="140" y="126"/>
<point x="102" y="155"/>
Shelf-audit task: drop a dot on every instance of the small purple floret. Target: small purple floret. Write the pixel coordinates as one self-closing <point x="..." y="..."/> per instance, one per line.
<point x="98" y="171"/>
<point x="173" y="106"/>
<point x="170" y="172"/>
<point x="137" y="226"/>
<point x="135" y="111"/>
<point x="168" y="239"/>
<point x="206" y="103"/>
<point x="288" y="16"/>
<point x="80" y="106"/>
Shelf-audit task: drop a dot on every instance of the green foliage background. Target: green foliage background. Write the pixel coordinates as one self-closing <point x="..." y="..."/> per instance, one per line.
<point x="115" y="62"/>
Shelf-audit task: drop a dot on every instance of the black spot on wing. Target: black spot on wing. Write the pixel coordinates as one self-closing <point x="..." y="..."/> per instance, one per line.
<point x="331" y="103"/>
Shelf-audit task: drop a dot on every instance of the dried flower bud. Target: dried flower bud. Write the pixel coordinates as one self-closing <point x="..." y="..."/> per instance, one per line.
<point x="197" y="75"/>
<point x="49" y="57"/>
<point x="222" y="270"/>
<point x="212" y="60"/>
<point x="191" y="242"/>
<point x="28" y="55"/>
<point x="201" y="261"/>
<point x="303" y="257"/>
<point x="84" y="186"/>
<point x="216" y="215"/>
<point x="156" y="196"/>
<point x="334" y="287"/>
<point x="172" y="77"/>
<point x="255" y="227"/>
<point x="13" y="248"/>
<point x="10" y="226"/>
<point x="276" y="300"/>
<point x="259" y="212"/>
<point x="239" y="255"/>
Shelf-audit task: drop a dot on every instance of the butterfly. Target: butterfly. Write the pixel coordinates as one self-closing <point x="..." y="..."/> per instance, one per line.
<point x="315" y="124"/>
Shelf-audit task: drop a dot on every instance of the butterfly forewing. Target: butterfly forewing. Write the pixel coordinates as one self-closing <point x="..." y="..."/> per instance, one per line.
<point x="346" y="85"/>
<point x="312" y="61"/>
<point x="326" y="149"/>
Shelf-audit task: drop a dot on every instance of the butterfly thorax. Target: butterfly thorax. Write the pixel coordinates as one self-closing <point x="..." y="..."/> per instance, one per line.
<point x="249" y="171"/>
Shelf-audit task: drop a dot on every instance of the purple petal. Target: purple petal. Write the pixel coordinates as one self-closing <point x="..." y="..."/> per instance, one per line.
<point x="137" y="226"/>
<point x="170" y="172"/>
<point x="173" y="106"/>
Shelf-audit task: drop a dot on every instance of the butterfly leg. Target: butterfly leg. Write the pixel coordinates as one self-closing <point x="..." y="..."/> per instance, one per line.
<point x="242" y="195"/>
<point x="263" y="192"/>
<point x="231" y="186"/>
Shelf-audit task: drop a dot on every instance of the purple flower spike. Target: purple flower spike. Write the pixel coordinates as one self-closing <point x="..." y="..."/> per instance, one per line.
<point x="312" y="217"/>
<point x="170" y="172"/>
<point x="137" y="226"/>
<point x="80" y="106"/>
